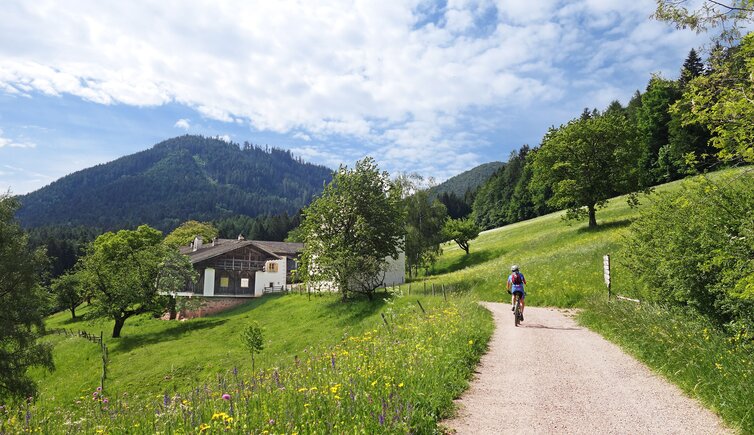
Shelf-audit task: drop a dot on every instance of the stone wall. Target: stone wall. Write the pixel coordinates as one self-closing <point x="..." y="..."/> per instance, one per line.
<point x="211" y="306"/>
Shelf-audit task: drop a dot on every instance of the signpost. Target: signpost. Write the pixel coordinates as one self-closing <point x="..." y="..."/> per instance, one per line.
<point x="606" y="271"/>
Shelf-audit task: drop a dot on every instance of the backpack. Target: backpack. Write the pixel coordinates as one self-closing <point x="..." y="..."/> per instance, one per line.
<point x="516" y="278"/>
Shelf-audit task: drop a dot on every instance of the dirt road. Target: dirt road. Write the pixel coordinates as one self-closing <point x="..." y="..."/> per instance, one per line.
<point x="569" y="380"/>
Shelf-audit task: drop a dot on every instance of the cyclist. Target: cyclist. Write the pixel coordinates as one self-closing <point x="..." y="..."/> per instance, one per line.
<point x="515" y="284"/>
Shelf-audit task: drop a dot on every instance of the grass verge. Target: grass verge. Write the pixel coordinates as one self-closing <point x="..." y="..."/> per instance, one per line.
<point x="398" y="377"/>
<point x="705" y="363"/>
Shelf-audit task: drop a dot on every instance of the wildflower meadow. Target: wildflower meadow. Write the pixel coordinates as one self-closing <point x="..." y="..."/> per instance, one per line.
<point x="399" y="377"/>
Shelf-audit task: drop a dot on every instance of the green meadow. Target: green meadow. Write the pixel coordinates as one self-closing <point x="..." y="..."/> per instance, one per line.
<point x="324" y="360"/>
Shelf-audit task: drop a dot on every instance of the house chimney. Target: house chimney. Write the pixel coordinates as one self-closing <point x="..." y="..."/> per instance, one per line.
<point x="240" y="237"/>
<point x="197" y="243"/>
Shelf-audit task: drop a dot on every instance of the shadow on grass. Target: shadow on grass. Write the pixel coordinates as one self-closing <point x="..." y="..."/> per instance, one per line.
<point x="130" y="342"/>
<point x="356" y="308"/>
<point x="606" y="226"/>
<point x="70" y="321"/>
<point x="471" y="259"/>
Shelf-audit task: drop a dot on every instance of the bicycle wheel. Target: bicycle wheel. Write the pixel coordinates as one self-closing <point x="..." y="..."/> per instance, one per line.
<point x="517" y="311"/>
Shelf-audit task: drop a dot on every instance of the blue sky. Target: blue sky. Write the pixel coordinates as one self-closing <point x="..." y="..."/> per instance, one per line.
<point x="428" y="87"/>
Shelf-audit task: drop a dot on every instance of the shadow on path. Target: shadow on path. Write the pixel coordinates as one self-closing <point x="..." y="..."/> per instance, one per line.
<point x="554" y="328"/>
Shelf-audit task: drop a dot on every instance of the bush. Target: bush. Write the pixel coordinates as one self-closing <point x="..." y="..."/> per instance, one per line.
<point x="694" y="247"/>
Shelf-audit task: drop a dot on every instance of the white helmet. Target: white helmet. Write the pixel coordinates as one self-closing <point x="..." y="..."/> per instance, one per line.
<point x="514" y="268"/>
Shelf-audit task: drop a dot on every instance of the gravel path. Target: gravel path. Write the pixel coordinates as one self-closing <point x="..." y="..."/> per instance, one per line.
<point x="570" y="380"/>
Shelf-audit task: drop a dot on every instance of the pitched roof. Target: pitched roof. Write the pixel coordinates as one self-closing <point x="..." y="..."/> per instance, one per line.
<point x="288" y="249"/>
<point x="222" y="246"/>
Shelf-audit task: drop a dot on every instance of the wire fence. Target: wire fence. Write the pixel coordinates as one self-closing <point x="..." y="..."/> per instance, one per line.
<point x="97" y="339"/>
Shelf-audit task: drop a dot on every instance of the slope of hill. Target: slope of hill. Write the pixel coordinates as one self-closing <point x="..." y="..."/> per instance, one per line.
<point x="563" y="265"/>
<point x="187" y="177"/>
<point x="468" y="180"/>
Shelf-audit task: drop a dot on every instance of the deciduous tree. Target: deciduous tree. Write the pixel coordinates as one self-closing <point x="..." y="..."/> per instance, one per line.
<point x="132" y="272"/>
<point x="586" y="162"/>
<point x="68" y="291"/>
<point x="730" y="15"/>
<point x="352" y="228"/>
<point x="21" y="305"/>
<point x="424" y="225"/>
<point x="187" y="231"/>
<point x="461" y="231"/>
<point x="723" y="101"/>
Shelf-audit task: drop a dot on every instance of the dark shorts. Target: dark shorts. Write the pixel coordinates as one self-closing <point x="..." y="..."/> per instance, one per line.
<point x="520" y="292"/>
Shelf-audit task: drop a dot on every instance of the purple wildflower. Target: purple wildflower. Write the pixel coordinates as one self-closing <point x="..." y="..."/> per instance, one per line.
<point x="382" y="419"/>
<point x="332" y="361"/>
<point x="165" y="400"/>
<point x="95" y="394"/>
<point x="99" y="388"/>
<point x="272" y="422"/>
<point x="105" y="400"/>
<point x="226" y="396"/>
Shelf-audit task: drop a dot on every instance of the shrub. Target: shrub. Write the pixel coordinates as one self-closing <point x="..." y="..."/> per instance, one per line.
<point x="694" y="247"/>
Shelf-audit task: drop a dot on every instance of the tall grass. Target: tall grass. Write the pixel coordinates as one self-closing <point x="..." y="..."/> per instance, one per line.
<point x="398" y="377"/>
<point x="705" y="362"/>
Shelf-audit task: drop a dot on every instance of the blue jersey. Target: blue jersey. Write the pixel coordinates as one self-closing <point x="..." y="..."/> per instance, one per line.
<point x="517" y="287"/>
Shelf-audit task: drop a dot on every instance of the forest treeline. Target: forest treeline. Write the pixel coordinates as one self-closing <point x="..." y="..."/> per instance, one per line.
<point x="242" y="189"/>
<point x="668" y="143"/>
<point x="187" y="177"/>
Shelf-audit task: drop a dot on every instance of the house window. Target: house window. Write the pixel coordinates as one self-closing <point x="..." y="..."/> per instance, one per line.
<point x="272" y="267"/>
<point x="224" y="281"/>
<point x="244" y="282"/>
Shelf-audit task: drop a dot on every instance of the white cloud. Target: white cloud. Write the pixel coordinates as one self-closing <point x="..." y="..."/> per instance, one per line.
<point x="11" y="143"/>
<point x="182" y="123"/>
<point x="364" y="71"/>
<point x="224" y="138"/>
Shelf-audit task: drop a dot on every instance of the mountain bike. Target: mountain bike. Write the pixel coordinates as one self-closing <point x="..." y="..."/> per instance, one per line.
<point x="517" y="316"/>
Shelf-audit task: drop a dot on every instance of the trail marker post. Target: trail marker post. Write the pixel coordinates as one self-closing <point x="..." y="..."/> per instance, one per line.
<point x="606" y="271"/>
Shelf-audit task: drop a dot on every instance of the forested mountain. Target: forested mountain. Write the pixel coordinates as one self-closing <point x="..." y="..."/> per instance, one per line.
<point x="187" y="177"/>
<point x="465" y="181"/>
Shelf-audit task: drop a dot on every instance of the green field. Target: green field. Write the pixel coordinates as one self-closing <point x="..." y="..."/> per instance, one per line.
<point x="562" y="263"/>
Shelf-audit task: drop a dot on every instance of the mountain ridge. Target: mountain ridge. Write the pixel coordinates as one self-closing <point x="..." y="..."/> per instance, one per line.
<point x="182" y="178"/>
<point x="469" y="180"/>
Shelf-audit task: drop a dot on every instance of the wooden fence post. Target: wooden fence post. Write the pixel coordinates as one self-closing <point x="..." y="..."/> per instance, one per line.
<point x="420" y="306"/>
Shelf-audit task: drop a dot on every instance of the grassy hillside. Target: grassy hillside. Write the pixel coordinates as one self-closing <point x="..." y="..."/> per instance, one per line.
<point x="562" y="262"/>
<point x="155" y="356"/>
<point x="563" y="265"/>
<point x="384" y="366"/>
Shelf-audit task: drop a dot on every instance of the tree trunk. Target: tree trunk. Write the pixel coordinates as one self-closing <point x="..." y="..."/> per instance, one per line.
<point x="465" y="247"/>
<point x="592" y="216"/>
<point x="73" y="312"/>
<point x="119" y="322"/>
<point x="173" y="313"/>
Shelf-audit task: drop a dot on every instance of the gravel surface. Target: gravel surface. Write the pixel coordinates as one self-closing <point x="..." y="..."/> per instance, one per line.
<point x="552" y="376"/>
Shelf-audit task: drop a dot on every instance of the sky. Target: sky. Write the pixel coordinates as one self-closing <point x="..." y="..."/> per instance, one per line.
<point x="432" y="87"/>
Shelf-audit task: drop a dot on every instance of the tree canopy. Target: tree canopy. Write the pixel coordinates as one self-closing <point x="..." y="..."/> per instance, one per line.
<point x="461" y="231"/>
<point x="729" y="15"/>
<point x="723" y="101"/>
<point x="351" y="229"/>
<point x="187" y="231"/>
<point x="586" y="162"/>
<point x="425" y="218"/>
<point x="132" y="272"/>
<point x="21" y="307"/>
